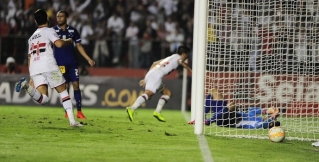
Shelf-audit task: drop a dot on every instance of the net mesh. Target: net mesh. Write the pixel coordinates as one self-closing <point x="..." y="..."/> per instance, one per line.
<point x="264" y="53"/>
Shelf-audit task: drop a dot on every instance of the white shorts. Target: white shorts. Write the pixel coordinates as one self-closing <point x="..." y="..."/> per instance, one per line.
<point x="153" y="83"/>
<point x="52" y="78"/>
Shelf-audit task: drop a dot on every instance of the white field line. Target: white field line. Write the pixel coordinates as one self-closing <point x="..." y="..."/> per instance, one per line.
<point x="203" y="145"/>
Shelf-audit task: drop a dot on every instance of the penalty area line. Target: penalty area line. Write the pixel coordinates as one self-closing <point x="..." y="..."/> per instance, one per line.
<point x="203" y="145"/>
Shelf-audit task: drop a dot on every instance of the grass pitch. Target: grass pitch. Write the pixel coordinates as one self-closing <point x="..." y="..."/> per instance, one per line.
<point x="40" y="134"/>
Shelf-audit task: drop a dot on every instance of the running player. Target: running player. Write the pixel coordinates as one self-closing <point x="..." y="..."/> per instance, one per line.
<point x="66" y="58"/>
<point x="153" y="81"/>
<point x="43" y="68"/>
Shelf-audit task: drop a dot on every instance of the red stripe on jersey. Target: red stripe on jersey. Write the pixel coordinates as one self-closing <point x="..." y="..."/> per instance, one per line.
<point x="42" y="44"/>
<point x="37" y="46"/>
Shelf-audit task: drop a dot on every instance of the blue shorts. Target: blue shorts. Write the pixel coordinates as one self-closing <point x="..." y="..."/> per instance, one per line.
<point x="70" y="72"/>
<point x="215" y="105"/>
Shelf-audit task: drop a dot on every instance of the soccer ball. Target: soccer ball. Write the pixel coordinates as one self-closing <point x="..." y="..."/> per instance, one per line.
<point x="276" y="134"/>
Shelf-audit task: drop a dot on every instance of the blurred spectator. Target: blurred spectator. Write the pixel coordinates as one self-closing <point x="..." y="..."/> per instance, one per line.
<point x="78" y="6"/>
<point x="40" y="3"/>
<point x="170" y="25"/>
<point x="238" y="40"/>
<point x="147" y="14"/>
<point x="99" y="12"/>
<point x="168" y="5"/>
<point x="11" y="67"/>
<point x="4" y="27"/>
<point x="12" y="8"/>
<point x="161" y="37"/>
<point x="101" y="50"/>
<point x="175" y="39"/>
<point x="4" y="31"/>
<point x="50" y="11"/>
<point x="154" y="24"/>
<point x="115" y="26"/>
<point x="149" y="28"/>
<point x="133" y="51"/>
<point x="160" y="17"/>
<point x="30" y="26"/>
<point x="152" y="8"/>
<point x="301" y="45"/>
<point x="255" y="50"/>
<point x="136" y="15"/>
<point x="146" y="48"/>
<point x="87" y="34"/>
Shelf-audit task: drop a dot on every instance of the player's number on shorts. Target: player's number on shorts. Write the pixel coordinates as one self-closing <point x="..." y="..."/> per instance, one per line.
<point x="76" y="72"/>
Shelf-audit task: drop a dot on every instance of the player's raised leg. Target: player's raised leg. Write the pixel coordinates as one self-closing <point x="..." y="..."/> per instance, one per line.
<point x="39" y="95"/>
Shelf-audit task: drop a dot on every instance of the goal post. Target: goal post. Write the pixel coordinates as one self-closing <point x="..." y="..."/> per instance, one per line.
<point x="258" y="54"/>
<point x="199" y="57"/>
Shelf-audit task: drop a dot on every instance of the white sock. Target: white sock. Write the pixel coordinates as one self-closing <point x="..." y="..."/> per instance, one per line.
<point x="34" y="93"/>
<point x="139" y="101"/>
<point x="44" y="100"/>
<point x="67" y="105"/>
<point x="161" y="102"/>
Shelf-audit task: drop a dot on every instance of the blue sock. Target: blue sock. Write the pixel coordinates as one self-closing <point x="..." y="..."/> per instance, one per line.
<point x="78" y="98"/>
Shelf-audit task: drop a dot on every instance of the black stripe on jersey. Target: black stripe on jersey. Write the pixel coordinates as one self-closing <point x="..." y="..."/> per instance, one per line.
<point x="40" y="50"/>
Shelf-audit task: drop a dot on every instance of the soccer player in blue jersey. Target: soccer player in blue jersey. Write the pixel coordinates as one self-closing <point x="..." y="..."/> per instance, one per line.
<point x="66" y="58"/>
<point x="225" y="114"/>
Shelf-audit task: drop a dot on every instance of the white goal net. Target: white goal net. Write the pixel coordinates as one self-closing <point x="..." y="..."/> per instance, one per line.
<point x="264" y="53"/>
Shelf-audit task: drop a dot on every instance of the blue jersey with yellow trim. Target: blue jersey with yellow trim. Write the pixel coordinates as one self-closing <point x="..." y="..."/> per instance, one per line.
<point x="66" y="55"/>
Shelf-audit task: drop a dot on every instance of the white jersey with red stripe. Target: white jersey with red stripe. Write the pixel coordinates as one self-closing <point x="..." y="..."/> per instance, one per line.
<point x="41" y="51"/>
<point x="166" y="66"/>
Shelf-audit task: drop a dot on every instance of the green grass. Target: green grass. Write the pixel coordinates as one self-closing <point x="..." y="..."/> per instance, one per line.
<point x="296" y="127"/>
<point x="39" y="134"/>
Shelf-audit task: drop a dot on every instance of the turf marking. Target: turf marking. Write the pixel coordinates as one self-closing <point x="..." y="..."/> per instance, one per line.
<point x="207" y="156"/>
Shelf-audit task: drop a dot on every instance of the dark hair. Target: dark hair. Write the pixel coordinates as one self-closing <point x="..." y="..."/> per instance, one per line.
<point x="40" y="16"/>
<point x="183" y="49"/>
<point x="65" y="13"/>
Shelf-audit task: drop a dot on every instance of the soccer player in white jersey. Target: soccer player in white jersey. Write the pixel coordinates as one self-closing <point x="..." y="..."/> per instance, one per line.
<point x="153" y="81"/>
<point x="43" y="68"/>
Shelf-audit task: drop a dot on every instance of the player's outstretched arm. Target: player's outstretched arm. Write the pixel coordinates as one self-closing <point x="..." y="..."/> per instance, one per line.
<point x="182" y="63"/>
<point x="60" y="43"/>
<point x="84" y="54"/>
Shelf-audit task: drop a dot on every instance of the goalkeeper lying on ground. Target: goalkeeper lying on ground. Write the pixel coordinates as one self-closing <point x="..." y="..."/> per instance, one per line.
<point x="225" y="114"/>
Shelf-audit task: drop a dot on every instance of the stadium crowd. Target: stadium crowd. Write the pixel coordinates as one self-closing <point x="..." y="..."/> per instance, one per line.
<point x="116" y="33"/>
<point x="262" y="35"/>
